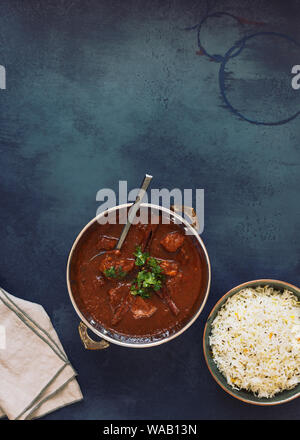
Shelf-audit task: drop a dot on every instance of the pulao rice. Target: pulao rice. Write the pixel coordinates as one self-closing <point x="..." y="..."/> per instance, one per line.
<point x="255" y="340"/>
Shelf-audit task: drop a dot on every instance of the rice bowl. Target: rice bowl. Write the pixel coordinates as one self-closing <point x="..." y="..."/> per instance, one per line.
<point x="255" y="340"/>
<point x="251" y="342"/>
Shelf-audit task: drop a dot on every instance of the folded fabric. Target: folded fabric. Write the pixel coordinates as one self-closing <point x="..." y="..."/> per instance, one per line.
<point x="35" y="374"/>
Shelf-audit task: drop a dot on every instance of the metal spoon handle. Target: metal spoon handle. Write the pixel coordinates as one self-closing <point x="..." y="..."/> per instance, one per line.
<point x="133" y="209"/>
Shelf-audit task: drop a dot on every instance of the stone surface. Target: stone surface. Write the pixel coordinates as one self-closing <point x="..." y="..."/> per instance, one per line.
<point x="99" y="92"/>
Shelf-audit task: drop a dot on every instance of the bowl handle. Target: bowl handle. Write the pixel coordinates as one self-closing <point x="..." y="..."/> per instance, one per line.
<point x="88" y="342"/>
<point x="190" y="212"/>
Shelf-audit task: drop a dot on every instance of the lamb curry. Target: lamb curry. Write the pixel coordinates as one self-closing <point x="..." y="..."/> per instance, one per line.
<point x="147" y="290"/>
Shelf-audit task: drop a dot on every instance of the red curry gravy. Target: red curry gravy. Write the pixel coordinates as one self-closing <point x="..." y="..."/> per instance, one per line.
<point x="108" y="303"/>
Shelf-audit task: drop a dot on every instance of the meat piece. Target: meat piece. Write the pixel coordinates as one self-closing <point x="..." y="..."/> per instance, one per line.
<point x="172" y="306"/>
<point x="115" y="259"/>
<point x="172" y="241"/>
<point x="122" y="309"/>
<point x="107" y="243"/>
<point x="166" y="297"/>
<point x="142" y="308"/>
<point x="170" y="268"/>
<point x="148" y="232"/>
<point x="120" y="300"/>
<point x="171" y="288"/>
<point x="117" y="295"/>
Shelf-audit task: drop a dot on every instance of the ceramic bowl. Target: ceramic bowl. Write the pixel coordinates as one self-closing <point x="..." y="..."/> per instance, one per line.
<point x="243" y="395"/>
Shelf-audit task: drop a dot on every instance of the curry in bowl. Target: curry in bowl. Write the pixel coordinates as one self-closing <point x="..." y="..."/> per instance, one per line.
<point x="148" y="290"/>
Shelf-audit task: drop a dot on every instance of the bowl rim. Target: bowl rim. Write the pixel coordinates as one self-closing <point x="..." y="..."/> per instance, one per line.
<point x="263" y="281"/>
<point x="153" y="343"/>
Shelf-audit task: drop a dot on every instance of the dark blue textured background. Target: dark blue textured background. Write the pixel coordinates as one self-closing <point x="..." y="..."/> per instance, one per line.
<point x="99" y="92"/>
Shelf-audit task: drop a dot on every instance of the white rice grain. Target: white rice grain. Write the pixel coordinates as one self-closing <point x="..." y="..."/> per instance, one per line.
<point x="255" y="340"/>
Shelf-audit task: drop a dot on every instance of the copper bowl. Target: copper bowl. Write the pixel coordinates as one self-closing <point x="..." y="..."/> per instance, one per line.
<point x="107" y="338"/>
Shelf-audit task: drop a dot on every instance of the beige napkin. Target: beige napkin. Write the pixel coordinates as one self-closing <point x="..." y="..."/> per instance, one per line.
<point x="35" y="374"/>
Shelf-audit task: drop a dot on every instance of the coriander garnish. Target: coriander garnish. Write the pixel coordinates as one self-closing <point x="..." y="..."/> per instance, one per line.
<point x="148" y="279"/>
<point x="112" y="272"/>
<point x="140" y="257"/>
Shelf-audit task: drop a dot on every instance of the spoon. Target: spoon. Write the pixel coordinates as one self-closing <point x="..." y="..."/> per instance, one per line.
<point x="131" y="214"/>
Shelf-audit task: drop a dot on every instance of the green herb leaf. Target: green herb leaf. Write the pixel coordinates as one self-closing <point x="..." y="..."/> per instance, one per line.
<point x="121" y="273"/>
<point x="154" y="265"/>
<point x="149" y="278"/>
<point x="112" y="272"/>
<point x="141" y="257"/>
